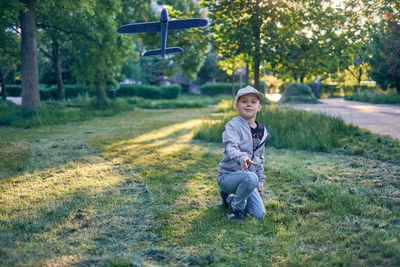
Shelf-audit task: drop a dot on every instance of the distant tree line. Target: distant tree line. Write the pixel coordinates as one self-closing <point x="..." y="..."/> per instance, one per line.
<point x="76" y="41"/>
<point x="301" y="39"/>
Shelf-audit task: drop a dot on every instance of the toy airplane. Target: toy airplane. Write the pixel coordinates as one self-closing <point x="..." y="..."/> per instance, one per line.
<point x="164" y="26"/>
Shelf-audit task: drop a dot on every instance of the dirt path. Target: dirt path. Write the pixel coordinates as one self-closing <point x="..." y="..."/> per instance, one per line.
<point x="381" y="119"/>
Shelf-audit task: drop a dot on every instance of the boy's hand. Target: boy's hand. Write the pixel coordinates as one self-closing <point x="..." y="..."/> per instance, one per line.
<point x="260" y="189"/>
<point x="244" y="163"/>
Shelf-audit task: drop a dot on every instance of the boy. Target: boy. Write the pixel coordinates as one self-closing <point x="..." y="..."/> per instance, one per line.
<point x="240" y="174"/>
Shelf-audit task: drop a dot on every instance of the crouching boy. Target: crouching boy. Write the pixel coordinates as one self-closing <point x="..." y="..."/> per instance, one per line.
<point x="240" y="174"/>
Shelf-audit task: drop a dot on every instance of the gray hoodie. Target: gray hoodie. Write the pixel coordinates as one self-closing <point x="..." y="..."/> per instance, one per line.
<point x="238" y="144"/>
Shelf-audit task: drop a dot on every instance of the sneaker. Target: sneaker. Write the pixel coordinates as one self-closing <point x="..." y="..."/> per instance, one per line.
<point x="224" y="196"/>
<point x="235" y="215"/>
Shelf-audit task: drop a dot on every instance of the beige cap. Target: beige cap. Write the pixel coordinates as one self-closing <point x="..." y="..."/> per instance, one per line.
<point x="248" y="90"/>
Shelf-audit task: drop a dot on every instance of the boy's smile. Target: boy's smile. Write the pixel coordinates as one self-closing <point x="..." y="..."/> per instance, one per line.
<point x="248" y="105"/>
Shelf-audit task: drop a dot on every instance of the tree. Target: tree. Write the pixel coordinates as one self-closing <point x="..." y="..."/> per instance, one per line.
<point x="101" y="54"/>
<point x="30" y="74"/>
<point x="9" y="45"/>
<point x="9" y="57"/>
<point x="210" y="71"/>
<point x="385" y="43"/>
<point x="57" y="24"/>
<point x="245" y="28"/>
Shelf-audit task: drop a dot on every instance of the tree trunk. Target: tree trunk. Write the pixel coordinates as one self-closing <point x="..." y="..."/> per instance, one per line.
<point x="3" y="89"/>
<point x="302" y="78"/>
<point x="58" y="71"/>
<point x="247" y="79"/>
<point x="257" y="55"/>
<point x="30" y="76"/>
<point x="101" y="90"/>
<point x="3" y="77"/>
<point x="101" y="95"/>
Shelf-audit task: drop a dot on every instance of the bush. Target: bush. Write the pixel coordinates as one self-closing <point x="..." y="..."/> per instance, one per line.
<point x="378" y="98"/>
<point x="8" y="111"/>
<point x="72" y="91"/>
<point x="166" y="104"/>
<point x="298" y="93"/>
<point x="48" y="93"/>
<point x="145" y="91"/>
<point x="170" y="91"/>
<point x="214" y="89"/>
<point x="14" y="90"/>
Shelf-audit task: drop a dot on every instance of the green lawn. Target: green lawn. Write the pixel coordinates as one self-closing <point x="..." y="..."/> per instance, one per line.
<point x="136" y="189"/>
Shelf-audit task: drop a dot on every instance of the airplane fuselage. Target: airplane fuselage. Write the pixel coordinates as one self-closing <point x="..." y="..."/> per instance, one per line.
<point x="164" y="30"/>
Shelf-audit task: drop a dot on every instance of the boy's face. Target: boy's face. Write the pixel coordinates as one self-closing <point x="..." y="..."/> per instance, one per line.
<point x="248" y="106"/>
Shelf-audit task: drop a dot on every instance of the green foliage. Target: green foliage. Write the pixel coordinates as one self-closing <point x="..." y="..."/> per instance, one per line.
<point x="391" y="98"/>
<point x="167" y="104"/>
<point x="297" y="93"/>
<point x="14" y="90"/>
<point x="385" y="50"/>
<point x="214" y="89"/>
<point x="150" y="91"/>
<point x="302" y="130"/>
<point x="334" y="90"/>
<point x="104" y="50"/>
<point x="210" y="70"/>
<point x="145" y="91"/>
<point x="71" y="91"/>
<point x="170" y="91"/>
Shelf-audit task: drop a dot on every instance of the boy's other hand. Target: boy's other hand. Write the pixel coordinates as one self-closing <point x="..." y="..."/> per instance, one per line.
<point x="244" y="163"/>
<point x="260" y="189"/>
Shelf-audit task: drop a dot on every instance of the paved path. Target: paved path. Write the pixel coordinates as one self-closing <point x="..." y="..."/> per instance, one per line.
<point x="381" y="119"/>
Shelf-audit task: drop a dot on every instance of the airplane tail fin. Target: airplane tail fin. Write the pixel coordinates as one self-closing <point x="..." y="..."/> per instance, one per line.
<point x="170" y="50"/>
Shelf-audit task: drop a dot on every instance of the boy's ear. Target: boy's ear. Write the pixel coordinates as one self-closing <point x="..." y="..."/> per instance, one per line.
<point x="259" y="107"/>
<point x="236" y="106"/>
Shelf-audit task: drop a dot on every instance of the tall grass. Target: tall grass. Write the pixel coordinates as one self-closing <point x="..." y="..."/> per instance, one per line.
<point x="299" y="129"/>
<point x="303" y="130"/>
<point x="376" y="97"/>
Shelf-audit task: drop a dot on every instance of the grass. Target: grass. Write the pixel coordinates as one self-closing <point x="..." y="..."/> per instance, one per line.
<point x="136" y="189"/>
<point x="84" y="108"/>
<point x="302" y="130"/>
<point x="382" y="97"/>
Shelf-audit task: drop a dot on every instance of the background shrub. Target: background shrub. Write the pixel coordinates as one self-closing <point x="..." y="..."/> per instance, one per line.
<point x="14" y="90"/>
<point x="8" y="111"/>
<point x="170" y="91"/>
<point x="72" y="91"/>
<point x="214" y="89"/>
<point x="298" y="93"/>
<point x="373" y="97"/>
<point x="48" y="93"/>
<point x="145" y="91"/>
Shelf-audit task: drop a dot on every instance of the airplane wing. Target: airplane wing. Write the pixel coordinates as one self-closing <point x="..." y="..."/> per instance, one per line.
<point x="186" y="23"/>
<point x="169" y="50"/>
<point x="140" y="27"/>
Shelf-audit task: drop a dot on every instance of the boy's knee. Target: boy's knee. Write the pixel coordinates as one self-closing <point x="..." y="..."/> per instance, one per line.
<point x="251" y="179"/>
